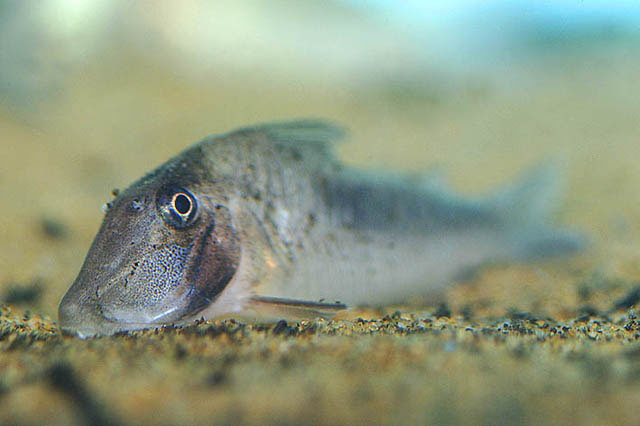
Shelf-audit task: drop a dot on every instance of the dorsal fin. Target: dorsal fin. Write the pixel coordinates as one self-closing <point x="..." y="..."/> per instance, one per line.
<point x="308" y="134"/>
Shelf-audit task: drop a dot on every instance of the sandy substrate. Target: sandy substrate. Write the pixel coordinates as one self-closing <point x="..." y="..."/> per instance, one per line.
<point x="552" y="343"/>
<point x="404" y="367"/>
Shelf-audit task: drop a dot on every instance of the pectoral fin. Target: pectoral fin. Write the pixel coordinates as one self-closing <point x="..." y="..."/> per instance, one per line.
<point x="277" y="307"/>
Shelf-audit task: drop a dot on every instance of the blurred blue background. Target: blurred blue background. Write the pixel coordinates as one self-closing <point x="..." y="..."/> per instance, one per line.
<point x="349" y="42"/>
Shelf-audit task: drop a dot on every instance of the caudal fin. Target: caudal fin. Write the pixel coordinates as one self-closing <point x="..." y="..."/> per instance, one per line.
<point x="528" y="207"/>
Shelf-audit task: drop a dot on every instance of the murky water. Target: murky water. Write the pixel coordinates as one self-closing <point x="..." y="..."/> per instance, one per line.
<point x="109" y="118"/>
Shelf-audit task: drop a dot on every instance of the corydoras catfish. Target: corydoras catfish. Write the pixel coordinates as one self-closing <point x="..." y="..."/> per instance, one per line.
<point x="265" y="222"/>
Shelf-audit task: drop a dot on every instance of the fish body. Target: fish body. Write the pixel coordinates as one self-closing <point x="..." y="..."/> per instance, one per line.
<point x="265" y="221"/>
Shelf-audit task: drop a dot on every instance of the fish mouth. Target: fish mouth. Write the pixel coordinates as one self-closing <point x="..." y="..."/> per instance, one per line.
<point x="84" y="321"/>
<point x="164" y="318"/>
<point x="100" y="325"/>
<point x="90" y="319"/>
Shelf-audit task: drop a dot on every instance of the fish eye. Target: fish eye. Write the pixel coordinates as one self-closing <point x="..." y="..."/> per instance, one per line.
<point x="182" y="204"/>
<point x="178" y="207"/>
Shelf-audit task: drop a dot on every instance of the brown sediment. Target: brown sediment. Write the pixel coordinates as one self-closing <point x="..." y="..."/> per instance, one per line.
<point x="400" y="366"/>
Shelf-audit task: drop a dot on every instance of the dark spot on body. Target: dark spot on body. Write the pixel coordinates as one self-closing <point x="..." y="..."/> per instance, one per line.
<point x="137" y="205"/>
<point x="115" y="192"/>
<point x="134" y="268"/>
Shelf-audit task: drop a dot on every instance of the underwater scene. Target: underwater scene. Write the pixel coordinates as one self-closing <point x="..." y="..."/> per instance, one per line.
<point x="430" y="213"/>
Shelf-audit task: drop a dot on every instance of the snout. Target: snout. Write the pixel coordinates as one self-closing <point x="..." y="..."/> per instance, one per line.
<point x="82" y="317"/>
<point x="85" y="316"/>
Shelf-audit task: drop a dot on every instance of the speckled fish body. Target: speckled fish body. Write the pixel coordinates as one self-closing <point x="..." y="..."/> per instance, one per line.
<point x="265" y="221"/>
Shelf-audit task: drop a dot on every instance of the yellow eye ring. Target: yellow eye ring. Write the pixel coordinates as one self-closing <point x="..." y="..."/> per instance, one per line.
<point x="182" y="204"/>
<point x="177" y="206"/>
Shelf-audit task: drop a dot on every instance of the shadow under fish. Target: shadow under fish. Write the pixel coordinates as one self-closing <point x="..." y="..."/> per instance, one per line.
<point x="265" y="222"/>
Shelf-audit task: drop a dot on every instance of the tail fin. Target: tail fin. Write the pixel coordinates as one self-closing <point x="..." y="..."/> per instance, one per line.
<point x="531" y="198"/>
<point x="527" y="208"/>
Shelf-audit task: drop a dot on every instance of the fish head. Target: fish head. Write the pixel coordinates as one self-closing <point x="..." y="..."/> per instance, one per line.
<point x="165" y="251"/>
